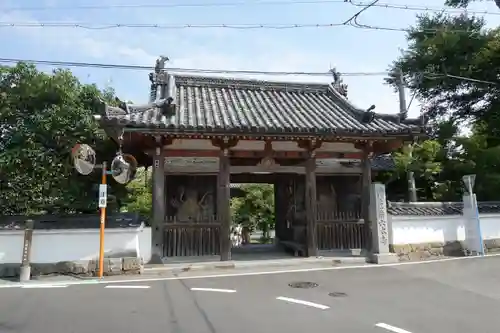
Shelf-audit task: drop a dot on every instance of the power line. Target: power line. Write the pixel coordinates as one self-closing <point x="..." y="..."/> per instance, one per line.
<point x="470" y="79"/>
<point x="176" y="69"/>
<point x="352" y="21"/>
<point x="356" y="15"/>
<point x="429" y="9"/>
<point x="107" y="26"/>
<point x="428" y="75"/>
<point x="174" y="5"/>
<point x="236" y="26"/>
<point x="401" y="6"/>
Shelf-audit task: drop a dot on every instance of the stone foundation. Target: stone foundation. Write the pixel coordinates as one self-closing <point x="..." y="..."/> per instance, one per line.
<point x="112" y="266"/>
<point x="429" y="251"/>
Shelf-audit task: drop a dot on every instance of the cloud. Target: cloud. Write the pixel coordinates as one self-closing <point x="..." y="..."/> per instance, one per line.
<point x="118" y="46"/>
<point x="217" y="49"/>
<point x="100" y="46"/>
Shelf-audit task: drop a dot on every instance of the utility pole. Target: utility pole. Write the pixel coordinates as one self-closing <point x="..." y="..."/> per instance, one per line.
<point x="403" y="112"/>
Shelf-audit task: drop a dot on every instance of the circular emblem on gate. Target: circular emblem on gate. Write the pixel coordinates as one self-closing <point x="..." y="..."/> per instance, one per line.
<point x="303" y="285"/>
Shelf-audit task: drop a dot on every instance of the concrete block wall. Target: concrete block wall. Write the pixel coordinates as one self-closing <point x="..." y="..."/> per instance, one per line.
<point x="420" y="236"/>
<point x="76" y="251"/>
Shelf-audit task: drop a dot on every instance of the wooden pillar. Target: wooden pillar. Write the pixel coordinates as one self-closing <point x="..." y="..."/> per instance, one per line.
<point x="158" y="191"/>
<point x="310" y="199"/>
<point x="311" y="205"/>
<point x="278" y="208"/>
<point x="224" y="195"/>
<point x="223" y="204"/>
<point x="366" y="180"/>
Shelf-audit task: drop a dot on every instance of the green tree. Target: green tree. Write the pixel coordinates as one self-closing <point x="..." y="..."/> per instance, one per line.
<point x="255" y="210"/>
<point x="139" y="197"/>
<point x="425" y="161"/>
<point x="465" y="3"/>
<point x="441" y="51"/>
<point x="452" y="65"/>
<point x="42" y="116"/>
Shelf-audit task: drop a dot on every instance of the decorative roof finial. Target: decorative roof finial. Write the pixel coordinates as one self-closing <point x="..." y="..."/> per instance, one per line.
<point x="337" y="83"/>
<point x="155" y="76"/>
<point x="160" y="63"/>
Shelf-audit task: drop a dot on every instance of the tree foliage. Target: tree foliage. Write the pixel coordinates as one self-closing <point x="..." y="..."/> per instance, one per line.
<point x="452" y="64"/>
<point x="42" y="116"/>
<point x="443" y="48"/>
<point x="465" y="3"/>
<point x="139" y="197"/>
<point x="255" y="210"/>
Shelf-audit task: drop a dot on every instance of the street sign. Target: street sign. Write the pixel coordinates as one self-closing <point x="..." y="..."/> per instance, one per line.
<point x="103" y="195"/>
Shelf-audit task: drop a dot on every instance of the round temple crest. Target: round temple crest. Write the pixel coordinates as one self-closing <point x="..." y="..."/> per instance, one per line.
<point x="123" y="168"/>
<point x="84" y="158"/>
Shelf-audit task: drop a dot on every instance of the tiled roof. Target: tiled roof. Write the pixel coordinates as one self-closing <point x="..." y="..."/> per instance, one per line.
<point x="204" y="104"/>
<point x="123" y="220"/>
<point x="438" y="208"/>
<point x="383" y="163"/>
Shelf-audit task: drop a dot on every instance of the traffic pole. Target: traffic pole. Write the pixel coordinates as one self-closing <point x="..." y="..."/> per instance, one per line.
<point x="102" y="225"/>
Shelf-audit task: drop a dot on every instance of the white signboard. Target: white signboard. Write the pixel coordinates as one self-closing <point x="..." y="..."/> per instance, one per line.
<point x="472" y="224"/>
<point x="103" y="195"/>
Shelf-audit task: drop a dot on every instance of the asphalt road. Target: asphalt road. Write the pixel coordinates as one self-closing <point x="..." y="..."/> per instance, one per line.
<point x="460" y="296"/>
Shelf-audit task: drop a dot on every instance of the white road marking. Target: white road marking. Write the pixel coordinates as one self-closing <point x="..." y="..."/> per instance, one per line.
<point x="41" y="286"/>
<point x="128" y="287"/>
<point x="298" y="301"/>
<point x="300" y="270"/>
<point x="215" y="290"/>
<point x="392" y="328"/>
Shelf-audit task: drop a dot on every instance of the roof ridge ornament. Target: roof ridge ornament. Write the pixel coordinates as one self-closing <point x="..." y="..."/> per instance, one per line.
<point x="338" y="83"/>
<point x="368" y="115"/>
<point x="157" y="77"/>
<point x="160" y="63"/>
<point x="164" y="107"/>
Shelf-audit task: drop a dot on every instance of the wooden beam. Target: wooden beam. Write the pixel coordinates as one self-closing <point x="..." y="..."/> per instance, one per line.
<point x="256" y="154"/>
<point x="225" y="142"/>
<point x="309" y="145"/>
<point x="382" y="147"/>
<point x="333" y="138"/>
<point x="192" y="153"/>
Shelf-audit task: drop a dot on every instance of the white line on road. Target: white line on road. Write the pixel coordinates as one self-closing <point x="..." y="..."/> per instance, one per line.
<point x="215" y="290"/>
<point x="298" y="301"/>
<point x="127" y="287"/>
<point x="41" y="286"/>
<point x="392" y="328"/>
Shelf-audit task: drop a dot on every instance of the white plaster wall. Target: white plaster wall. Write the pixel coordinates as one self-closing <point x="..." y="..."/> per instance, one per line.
<point x="51" y="246"/>
<point x="428" y="229"/>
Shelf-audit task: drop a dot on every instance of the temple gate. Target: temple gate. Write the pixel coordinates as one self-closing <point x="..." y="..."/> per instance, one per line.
<point x="200" y="134"/>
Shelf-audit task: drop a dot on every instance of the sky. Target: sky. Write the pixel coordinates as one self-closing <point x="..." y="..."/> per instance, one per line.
<point x="306" y="50"/>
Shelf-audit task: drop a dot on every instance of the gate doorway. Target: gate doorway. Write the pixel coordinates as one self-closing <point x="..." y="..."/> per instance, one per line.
<point x="252" y="215"/>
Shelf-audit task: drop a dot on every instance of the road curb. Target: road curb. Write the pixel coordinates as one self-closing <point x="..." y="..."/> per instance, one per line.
<point x="186" y="267"/>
